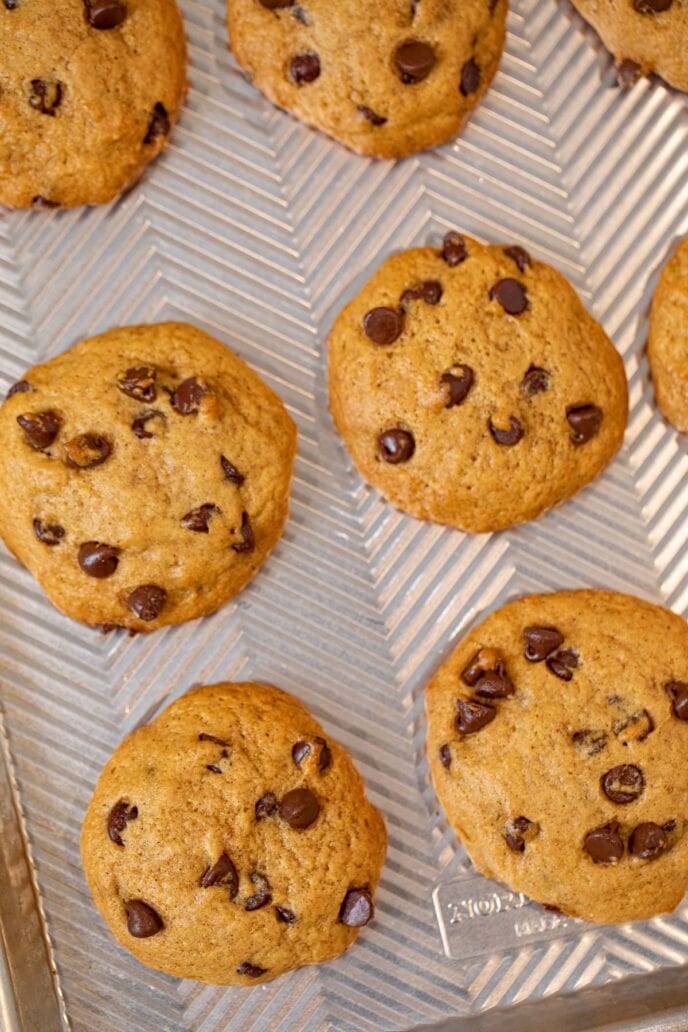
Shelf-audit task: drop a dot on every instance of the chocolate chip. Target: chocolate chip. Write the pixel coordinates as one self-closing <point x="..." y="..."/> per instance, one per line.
<point x="299" y="752"/>
<point x="623" y="784"/>
<point x="518" y="832"/>
<point x="563" y="664"/>
<point x="285" y="915"/>
<point x="304" y="68"/>
<point x="604" y="845"/>
<point x="87" y="450"/>
<point x="678" y="693"/>
<point x="508" y="437"/>
<point x="247" y="543"/>
<point x="470" y="78"/>
<point x="138" y="382"/>
<point x="139" y="423"/>
<point x="299" y="808"/>
<point x="274" y="5"/>
<point x="430" y="291"/>
<point x="652" y="6"/>
<point x="213" y="768"/>
<point x="459" y="380"/>
<point x="48" y="533"/>
<point x="634" y="728"/>
<point x="414" y="60"/>
<point x="118" y="818"/>
<point x="535" y="380"/>
<point x="11" y="5"/>
<point x="627" y="73"/>
<point x="40" y="428"/>
<point x="540" y="642"/>
<point x="262" y="895"/>
<point x="142" y="920"/>
<point x="231" y="472"/>
<point x="454" y="250"/>
<point x="158" y="124"/>
<point x="325" y="757"/>
<point x="300" y="15"/>
<point x="371" y="116"/>
<point x="222" y="872"/>
<point x="383" y="325"/>
<point x="203" y="737"/>
<point x="396" y="446"/>
<point x="585" y="422"/>
<point x="45" y="96"/>
<point x="519" y="255"/>
<point x="357" y="908"/>
<point x="495" y="684"/>
<point x="198" y="519"/>
<point x="21" y="387"/>
<point x="445" y="755"/>
<point x="483" y="661"/>
<point x="511" y="295"/>
<point x="105" y="14"/>
<point x="147" y="601"/>
<point x="473" y="716"/>
<point x="647" y="841"/>
<point x="97" y="559"/>
<point x="266" y="806"/>
<point x="590" y="742"/>
<point x="251" y="970"/>
<point x="44" y="202"/>
<point x="188" y="396"/>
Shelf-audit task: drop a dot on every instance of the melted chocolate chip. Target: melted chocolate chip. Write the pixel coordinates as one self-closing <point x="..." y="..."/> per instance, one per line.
<point x="138" y="382"/>
<point x="44" y="202"/>
<point x="222" y="872"/>
<point x="204" y="737"/>
<point x="21" y="387"/>
<point x="470" y="78"/>
<point x="623" y="784"/>
<point x="458" y="380"/>
<point x="45" y="96"/>
<point x="40" y="428"/>
<point x="473" y="716"/>
<point x="634" y="728"/>
<point x="371" y="116"/>
<point x="248" y="542"/>
<point x="251" y="970"/>
<point x="563" y="664"/>
<point x="118" y="818"/>
<point x="383" y="325"/>
<point x="357" y="908"/>
<point x="483" y="661"/>
<point x="325" y="757"/>
<point x="198" y="519"/>
<point x="495" y="683"/>
<point x="508" y="437"/>
<point x="585" y="422"/>
<point x="262" y="895"/>
<point x="627" y="73"/>
<point x="445" y="755"/>
<point x="87" y="450"/>
<point x="304" y="68"/>
<point x="590" y="742"/>
<point x="518" y="832"/>
<point x="147" y="601"/>
<point x="11" y="5"/>
<point x="97" y="559"/>
<point x="652" y="6"/>
<point x="213" y="768"/>
<point x="139" y="423"/>
<point x="430" y="291"/>
<point x="105" y="14"/>
<point x="454" y="250"/>
<point x="231" y="472"/>
<point x="48" y="533"/>
<point x="604" y="845"/>
<point x="285" y="915"/>
<point x="188" y="396"/>
<point x="299" y="808"/>
<point x="396" y="445"/>
<point x="142" y="920"/>
<point x="541" y="642"/>
<point x="511" y="295"/>
<point x="518" y="255"/>
<point x="158" y="125"/>
<point x="266" y="806"/>
<point x="414" y="60"/>
<point x="535" y="380"/>
<point x="647" y="841"/>
<point x="678" y="693"/>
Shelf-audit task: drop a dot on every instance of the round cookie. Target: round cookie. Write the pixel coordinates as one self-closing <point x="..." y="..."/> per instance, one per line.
<point x="645" y="37"/>
<point x="387" y="80"/>
<point x="667" y="346"/>
<point x="471" y="386"/>
<point x="89" y="90"/>
<point x="558" y="746"/>
<point x="230" y="841"/>
<point x="145" y="475"/>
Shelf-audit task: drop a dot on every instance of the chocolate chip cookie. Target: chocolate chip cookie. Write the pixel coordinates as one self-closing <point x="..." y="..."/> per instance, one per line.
<point x="387" y="79"/>
<point x="145" y="475"/>
<point x="89" y="90"/>
<point x="558" y="745"/>
<point x="231" y="840"/>
<point x="645" y="36"/>
<point x="668" y="338"/>
<point x="471" y="386"/>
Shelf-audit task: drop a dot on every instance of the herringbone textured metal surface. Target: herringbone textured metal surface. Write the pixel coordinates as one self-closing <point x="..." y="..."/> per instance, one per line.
<point x="257" y="230"/>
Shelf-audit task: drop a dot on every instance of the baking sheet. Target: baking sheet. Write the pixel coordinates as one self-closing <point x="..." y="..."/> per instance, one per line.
<point x="258" y="230"/>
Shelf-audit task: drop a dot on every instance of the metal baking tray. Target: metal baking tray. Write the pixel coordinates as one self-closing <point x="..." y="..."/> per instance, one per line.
<point x="258" y="230"/>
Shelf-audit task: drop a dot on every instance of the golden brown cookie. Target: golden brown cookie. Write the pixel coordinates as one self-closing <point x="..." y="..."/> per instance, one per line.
<point x="146" y="475"/>
<point x="89" y="90"/>
<point x="558" y="745"/>
<point x="387" y="79"/>
<point x="471" y="386"/>
<point x="231" y="841"/>
<point x="668" y="338"/>
<point x="645" y="36"/>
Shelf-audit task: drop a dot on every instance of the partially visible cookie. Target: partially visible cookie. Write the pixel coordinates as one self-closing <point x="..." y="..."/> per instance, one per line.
<point x="668" y="338"/>
<point x="645" y="37"/>
<point x="89" y="90"/>
<point x="387" y="79"/>
<point x="558" y="746"/>
<point x="145" y="475"/>
<point x="230" y="840"/>
<point x="471" y="386"/>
